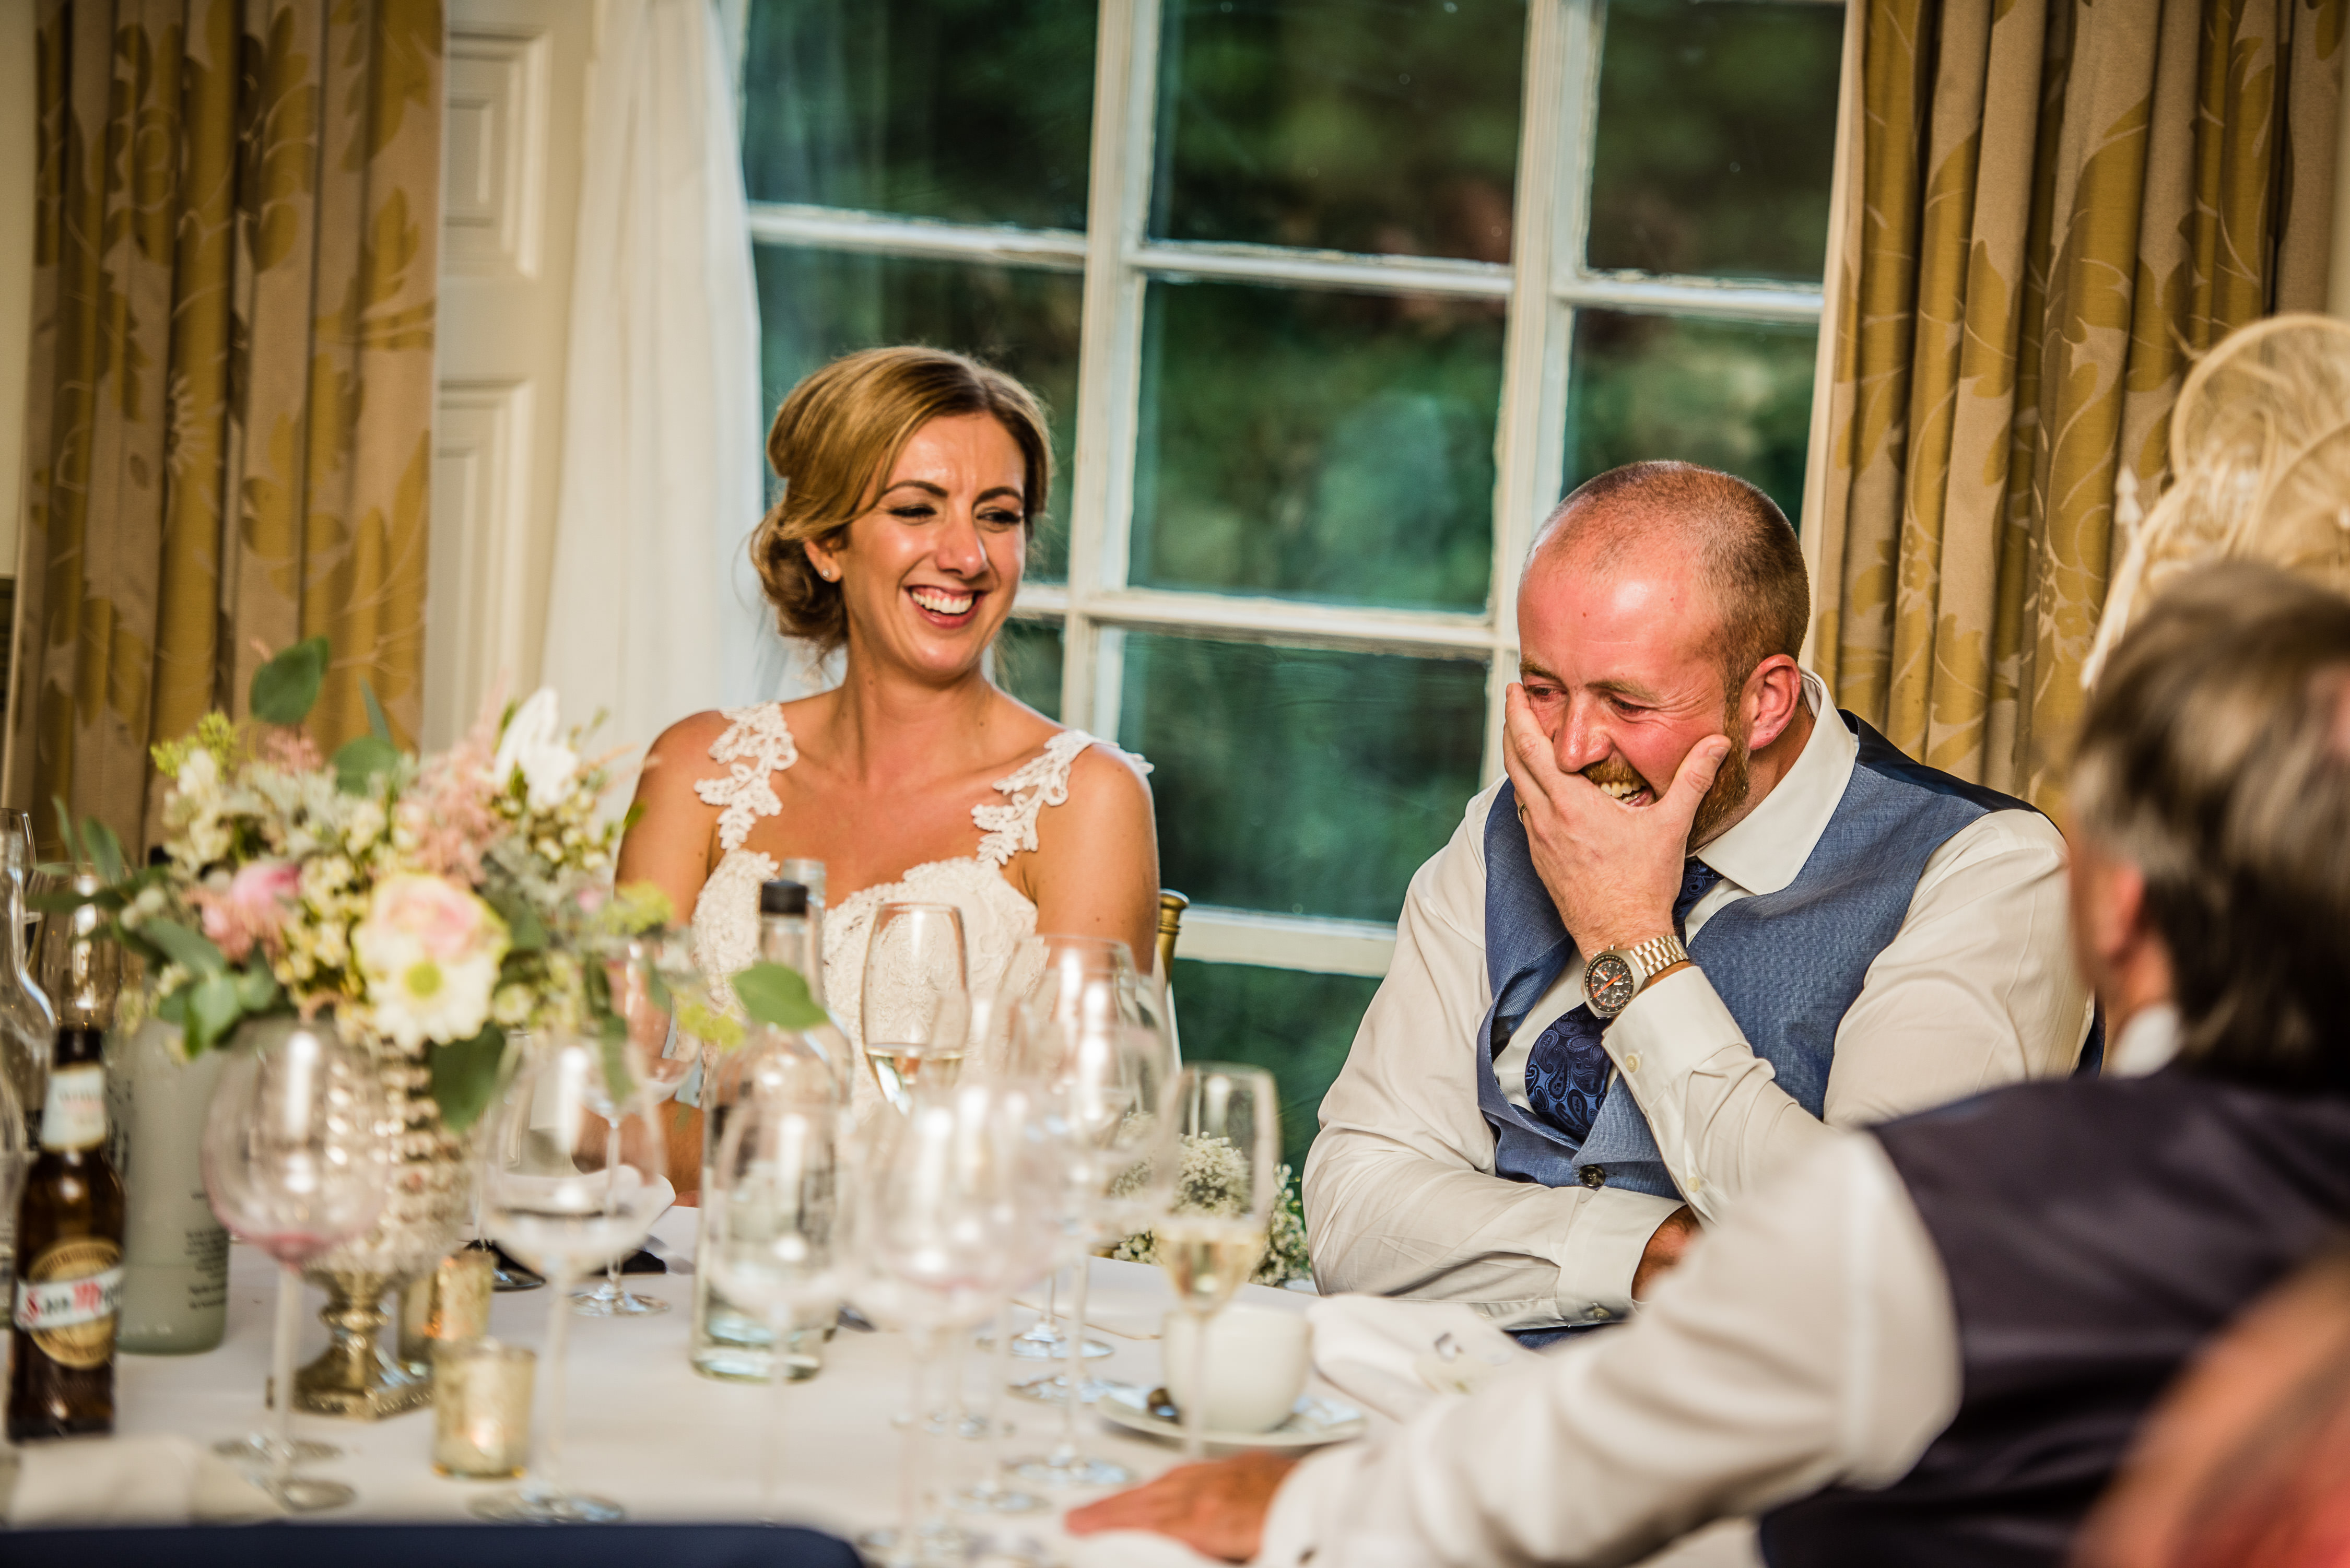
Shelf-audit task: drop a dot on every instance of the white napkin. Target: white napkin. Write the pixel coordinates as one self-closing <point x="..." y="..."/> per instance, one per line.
<point x="154" y="1480"/>
<point x="1395" y="1357"/>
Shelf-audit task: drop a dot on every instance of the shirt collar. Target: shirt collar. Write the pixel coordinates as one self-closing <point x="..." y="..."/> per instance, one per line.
<point x="1764" y="850"/>
<point x="2146" y="1042"/>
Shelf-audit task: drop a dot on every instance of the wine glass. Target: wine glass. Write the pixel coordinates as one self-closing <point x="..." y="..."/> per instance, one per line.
<point x="774" y="1213"/>
<point x="570" y="1179"/>
<point x="1212" y="1237"/>
<point x="658" y="1057"/>
<point x="916" y="1004"/>
<point x="1058" y="968"/>
<point x="956" y="1212"/>
<point x="293" y="1160"/>
<point x="1114" y="1146"/>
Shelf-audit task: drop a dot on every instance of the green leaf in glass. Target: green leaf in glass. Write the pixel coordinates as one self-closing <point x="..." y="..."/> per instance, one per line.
<point x="777" y="994"/>
<point x="285" y="689"/>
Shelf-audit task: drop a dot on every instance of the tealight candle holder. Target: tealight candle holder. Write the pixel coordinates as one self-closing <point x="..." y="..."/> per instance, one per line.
<point x="481" y="1408"/>
<point x="448" y="1302"/>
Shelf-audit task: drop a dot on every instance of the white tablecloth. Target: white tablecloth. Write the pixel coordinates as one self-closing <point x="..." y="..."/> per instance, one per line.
<point x="643" y="1429"/>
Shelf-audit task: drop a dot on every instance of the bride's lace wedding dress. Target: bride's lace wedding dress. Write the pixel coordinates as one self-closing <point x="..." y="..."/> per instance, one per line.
<point x="997" y="916"/>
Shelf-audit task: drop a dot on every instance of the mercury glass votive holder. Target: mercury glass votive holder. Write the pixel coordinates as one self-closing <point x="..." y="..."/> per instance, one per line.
<point x="448" y="1302"/>
<point x="481" y="1408"/>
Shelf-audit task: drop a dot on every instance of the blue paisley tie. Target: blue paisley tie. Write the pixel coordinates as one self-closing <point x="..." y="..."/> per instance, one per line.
<point x="1567" y="1071"/>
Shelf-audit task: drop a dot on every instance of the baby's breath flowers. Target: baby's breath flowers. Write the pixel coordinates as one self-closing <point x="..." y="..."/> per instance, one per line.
<point x="1214" y="1180"/>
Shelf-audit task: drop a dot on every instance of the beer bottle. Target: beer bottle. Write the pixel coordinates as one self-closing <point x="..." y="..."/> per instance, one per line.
<point x="69" y="1219"/>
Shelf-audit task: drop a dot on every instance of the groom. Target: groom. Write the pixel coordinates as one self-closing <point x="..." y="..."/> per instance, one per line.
<point x="1706" y="918"/>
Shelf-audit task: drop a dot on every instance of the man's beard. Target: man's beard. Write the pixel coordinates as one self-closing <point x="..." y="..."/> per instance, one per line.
<point x="1728" y="794"/>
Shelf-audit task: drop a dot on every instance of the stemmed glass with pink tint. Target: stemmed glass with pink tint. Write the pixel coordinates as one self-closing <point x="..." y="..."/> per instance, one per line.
<point x="294" y="1162"/>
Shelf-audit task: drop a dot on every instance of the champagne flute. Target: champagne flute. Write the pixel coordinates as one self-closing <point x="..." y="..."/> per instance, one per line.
<point x="956" y="1210"/>
<point x="565" y="1196"/>
<point x="775" y="1213"/>
<point x="916" y="1004"/>
<point x="293" y="1159"/>
<point x="658" y="1058"/>
<point x="1229" y="1118"/>
<point x="1115" y="1147"/>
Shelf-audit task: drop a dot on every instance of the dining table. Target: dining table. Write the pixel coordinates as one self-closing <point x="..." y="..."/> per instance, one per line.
<point x="645" y="1430"/>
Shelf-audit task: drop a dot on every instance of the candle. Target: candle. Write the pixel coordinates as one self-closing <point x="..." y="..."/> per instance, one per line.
<point x="450" y="1302"/>
<point x="481" y="1408"/>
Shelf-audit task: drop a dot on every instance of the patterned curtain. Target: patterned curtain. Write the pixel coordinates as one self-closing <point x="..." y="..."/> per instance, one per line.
<point x="228" y="446"/>
<point x="2053" y="206"/>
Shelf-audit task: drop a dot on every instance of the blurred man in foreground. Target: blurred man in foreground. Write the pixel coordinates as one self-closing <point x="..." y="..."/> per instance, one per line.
<point x="1930" y="1344"/>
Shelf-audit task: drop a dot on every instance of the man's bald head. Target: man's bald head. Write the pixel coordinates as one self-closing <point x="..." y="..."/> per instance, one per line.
<point x="1745" y="554"/>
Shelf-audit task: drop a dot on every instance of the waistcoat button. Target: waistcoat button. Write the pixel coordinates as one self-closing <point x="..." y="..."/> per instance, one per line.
<point x="1594" y="1176"/>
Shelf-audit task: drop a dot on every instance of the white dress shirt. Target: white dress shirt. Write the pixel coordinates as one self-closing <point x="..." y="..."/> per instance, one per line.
<point x="1808" y="1340"/>
<point x="1976" y="989"/>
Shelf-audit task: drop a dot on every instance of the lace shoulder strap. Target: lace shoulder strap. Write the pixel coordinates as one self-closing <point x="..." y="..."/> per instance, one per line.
<point x="756" y="746"/>
<point x="1040" y="781"/>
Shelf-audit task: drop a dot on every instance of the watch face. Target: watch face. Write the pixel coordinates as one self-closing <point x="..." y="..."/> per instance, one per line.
<point x="1609" y="984"/>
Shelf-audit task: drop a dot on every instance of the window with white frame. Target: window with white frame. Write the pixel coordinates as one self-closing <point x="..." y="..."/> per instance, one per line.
<point x="1330" y="301"/>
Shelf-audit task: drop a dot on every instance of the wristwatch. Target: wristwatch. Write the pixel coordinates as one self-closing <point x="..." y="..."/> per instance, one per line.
<point x="1612" y="980"/>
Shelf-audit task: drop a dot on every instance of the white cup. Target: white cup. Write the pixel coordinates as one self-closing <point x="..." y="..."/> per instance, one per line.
<point x="1257" y="1361"/>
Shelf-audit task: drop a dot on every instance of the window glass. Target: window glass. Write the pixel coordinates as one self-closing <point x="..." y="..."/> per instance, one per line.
<point x="1733" y="395"/>
<point x="1301" y="781"/>
<point x="1297" y="1026"/>
<point x="1317" y="445"/>
<point x="1716" y="136"/>
<point x="975" y="110"/>
<point x="815" y="306"/>
<point x="1354" y="125"/>
<point x="1028" y="663"/>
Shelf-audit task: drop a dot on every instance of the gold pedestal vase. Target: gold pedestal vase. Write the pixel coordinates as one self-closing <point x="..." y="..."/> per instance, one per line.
<point x="360" y="1376"/>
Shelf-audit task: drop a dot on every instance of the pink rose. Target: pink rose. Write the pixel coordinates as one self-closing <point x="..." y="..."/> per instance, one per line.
<point x="251" y="909"/>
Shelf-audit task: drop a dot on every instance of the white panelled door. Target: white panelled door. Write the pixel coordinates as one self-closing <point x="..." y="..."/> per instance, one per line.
<point x="516" y="72"/>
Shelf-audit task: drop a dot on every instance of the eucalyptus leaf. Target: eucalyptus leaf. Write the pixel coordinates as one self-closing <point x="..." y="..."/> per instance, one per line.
<point x="72" y="836"/>
<point x="378" y="725"/>
<point x="213" y="1009"/>
<point x="174" y="1008"/>
<point x="525" y="931"/>
<point x="778" y="994"/>
<point x="285" y="689"/>
<point x="464" y="1074"/>
<point x="105" y="849"/>
<point x="612" y="1043"/>
<point x="361" y="761"/>
<point x="256" y="988"/>
<point x="191" y="951"/>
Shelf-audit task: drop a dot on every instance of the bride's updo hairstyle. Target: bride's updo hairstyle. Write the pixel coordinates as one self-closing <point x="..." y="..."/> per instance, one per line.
<point x="833" y="444"/>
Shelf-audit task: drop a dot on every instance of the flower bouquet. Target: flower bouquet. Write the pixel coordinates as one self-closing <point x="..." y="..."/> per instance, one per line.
<point x="428" y="905"/>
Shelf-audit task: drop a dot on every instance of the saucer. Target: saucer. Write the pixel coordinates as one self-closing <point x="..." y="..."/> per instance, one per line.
<point x="1311" y="1424"/>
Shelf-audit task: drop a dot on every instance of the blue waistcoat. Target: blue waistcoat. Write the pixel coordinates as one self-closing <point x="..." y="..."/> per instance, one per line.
<point x="1788" y="964"/>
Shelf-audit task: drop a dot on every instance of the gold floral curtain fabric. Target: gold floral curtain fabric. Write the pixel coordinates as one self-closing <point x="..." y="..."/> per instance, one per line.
<point x="232" y="383"/>
<point x="2053" y="207"/>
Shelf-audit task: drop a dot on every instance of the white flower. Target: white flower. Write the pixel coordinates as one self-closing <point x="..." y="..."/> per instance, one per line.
<point x="430" y="950"/>
<point x="199" y="775"/>
<point x="534" y="743"/>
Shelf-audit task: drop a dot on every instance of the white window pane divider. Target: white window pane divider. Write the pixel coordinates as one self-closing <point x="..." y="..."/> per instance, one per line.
<point x="1544" y="283"/>
<point x="1214" y="935"/>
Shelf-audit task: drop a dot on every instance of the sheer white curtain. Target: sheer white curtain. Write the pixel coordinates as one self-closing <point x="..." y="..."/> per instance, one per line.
<point x="655" y="612"/>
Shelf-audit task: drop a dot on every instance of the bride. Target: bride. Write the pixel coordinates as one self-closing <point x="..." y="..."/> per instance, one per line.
<point x="912" y="479"/>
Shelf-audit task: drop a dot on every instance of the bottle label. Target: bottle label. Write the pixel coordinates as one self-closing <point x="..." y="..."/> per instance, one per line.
<point x="69" y="1301"/>
<point x="74" y="1116"/>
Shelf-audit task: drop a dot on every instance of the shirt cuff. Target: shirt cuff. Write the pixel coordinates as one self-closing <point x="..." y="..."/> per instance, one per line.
<point x="1611" y="1233"/>
<point x="1670" y="1030"/>
<point x="1291" y="1532"/>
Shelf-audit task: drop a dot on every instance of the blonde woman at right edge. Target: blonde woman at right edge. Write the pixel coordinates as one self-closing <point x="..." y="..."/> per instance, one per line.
<point x="913" y="480"/>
